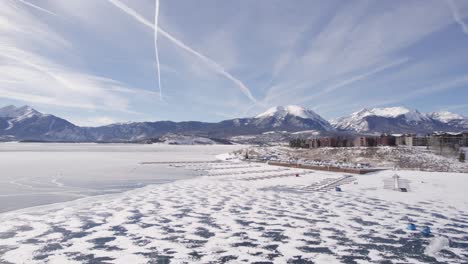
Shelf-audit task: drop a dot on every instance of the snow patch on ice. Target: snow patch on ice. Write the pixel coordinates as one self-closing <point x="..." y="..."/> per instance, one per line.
<point x="436" y="245"/>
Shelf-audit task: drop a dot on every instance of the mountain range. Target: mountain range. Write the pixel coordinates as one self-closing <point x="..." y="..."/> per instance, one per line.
<point x="26" y="124"/>
<point x="400" y="120"/>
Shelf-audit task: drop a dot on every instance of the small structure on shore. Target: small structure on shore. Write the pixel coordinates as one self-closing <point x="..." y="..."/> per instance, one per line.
<point x="395" y="183"/>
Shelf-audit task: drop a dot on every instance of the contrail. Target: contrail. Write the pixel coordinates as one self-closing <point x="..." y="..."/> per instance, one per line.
<point x="37" y="7"/>
<point x="156" y="15"/>
<point x="457" y="17"/>
<point x="8" y="54"/>
<point x="355" y="79"/>
<point x="183" y="46"/>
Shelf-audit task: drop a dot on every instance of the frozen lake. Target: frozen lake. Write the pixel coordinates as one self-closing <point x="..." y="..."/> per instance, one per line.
<point x="33" y="174"/>
<point x="232" y="212"/>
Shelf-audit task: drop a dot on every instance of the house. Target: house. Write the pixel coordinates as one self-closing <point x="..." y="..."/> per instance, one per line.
<point x="334" y="142"/>
<point x="328" y="142"/>
<point x="450" y="139"/>
<point x="313" y="143"/>
<point x="416" y="141"/>
<point x="365" y="141"/>
<point x="448" y="142"/>
<point x="400" y="139"/>
<point x="322" y="142"/>
<point x="386" y="140"/>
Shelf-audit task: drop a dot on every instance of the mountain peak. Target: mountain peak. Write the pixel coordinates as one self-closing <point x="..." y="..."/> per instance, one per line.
<point x="386" y="119"/>
<point x="385" y="111"/>
<point x="445" y="116"/>
<point x="12" y="111"/>
<point x="392" y="112"/>
<point x="292" y="116"/>
<point x="294" y="110"/>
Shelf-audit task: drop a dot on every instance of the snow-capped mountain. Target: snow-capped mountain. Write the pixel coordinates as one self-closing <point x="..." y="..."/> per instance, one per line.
<point x="25" y="123"/>
<point x="12" y="111"/>
<point x="445" y="116"/>
<point x="292" y="118"/>
<point x="451" y="119"/>
<point x="293" y="110"/>
<point x="390" y="120"/>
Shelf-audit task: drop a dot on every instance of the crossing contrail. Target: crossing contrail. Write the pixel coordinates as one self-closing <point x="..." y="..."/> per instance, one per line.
<point x="218" y="68"/>
<point x="156" y="15"/>
<point x="37" y="7"/>
<point x="185" y="47"/>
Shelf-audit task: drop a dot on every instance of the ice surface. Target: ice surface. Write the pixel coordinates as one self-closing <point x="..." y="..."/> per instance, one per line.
<point x="436" y="245"/>
<point x="37" y="174"/>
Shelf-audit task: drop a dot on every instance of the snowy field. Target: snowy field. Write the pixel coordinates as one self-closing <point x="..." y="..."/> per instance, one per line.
<point x="37" y="174"/>
<point x="407" y="158"/>
<point x="238" y="212"/>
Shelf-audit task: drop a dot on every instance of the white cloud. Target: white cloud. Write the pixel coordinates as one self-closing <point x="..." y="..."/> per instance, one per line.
<point x="319" y="54"/>
<point x="220" y="69"/>
<point x="353" y="41"/>
<point x="37" y="79"/>
<point x="456" y="16"/>
<point x="95" y="121"/>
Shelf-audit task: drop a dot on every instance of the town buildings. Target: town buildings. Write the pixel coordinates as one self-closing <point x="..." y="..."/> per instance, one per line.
<point x="443" y="142"/>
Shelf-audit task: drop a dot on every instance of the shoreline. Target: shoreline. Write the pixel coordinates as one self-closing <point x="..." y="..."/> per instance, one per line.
<point x="105" y="193"/>
<point x="72" y="203"/>
<point x="30" y="173"/>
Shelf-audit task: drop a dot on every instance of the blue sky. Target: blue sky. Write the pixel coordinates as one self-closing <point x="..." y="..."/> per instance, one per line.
<point x="93" y="61"/>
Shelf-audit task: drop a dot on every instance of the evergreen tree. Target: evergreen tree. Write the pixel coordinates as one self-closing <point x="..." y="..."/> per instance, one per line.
<point x="297" y="143"/>
<point x="462" y="157"/>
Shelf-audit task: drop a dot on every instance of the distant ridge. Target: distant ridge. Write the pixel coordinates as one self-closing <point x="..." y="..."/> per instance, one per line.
<point x="400" y="120"/>
<point x="25" y="123"/>
<point x="277" y="123"/>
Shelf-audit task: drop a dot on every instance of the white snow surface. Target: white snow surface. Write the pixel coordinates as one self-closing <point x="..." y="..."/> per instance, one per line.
<point x="238" y="212"/>
<point x="436" y="245"/>
<point x="445" y="116"/>
<point x="175" y="139"/>
<point x="393" y="112"/>
<point x="294" y="110"/>
<point x="17" y="112"/>
<point x="356" y="121"/>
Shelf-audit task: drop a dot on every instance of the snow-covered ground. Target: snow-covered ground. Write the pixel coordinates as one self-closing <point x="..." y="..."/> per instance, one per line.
<point x="238" y="212"/>
<point x="409" y="158"/>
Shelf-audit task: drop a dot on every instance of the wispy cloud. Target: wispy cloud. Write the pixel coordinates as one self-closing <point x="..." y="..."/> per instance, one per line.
<point x="185" y="47"/>
<point x="457" y="82"/>
<point x="456" y="16"/>
<point x="354" y="45"/>
<point x="95" y="121"/>
<point x="353" y="79"/>
<point x="332" y="56"/>
<point x="37" y="79"/>
<point x="37" y="7"/>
